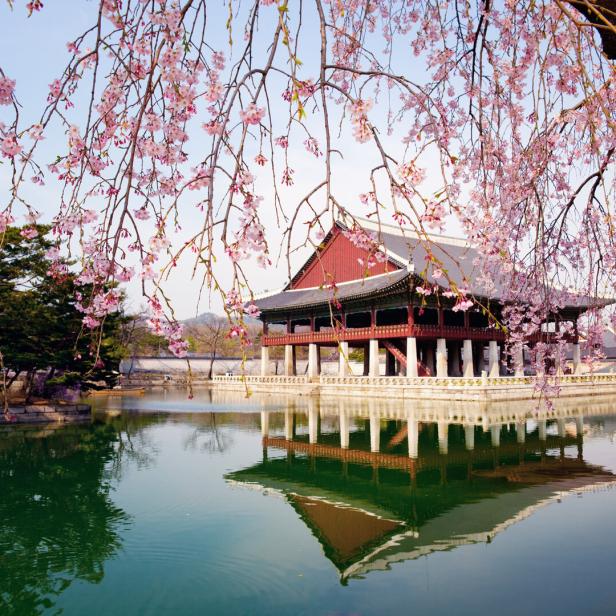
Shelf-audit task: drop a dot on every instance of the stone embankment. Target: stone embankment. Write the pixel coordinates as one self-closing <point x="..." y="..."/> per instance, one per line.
<point x="46" y="413"/>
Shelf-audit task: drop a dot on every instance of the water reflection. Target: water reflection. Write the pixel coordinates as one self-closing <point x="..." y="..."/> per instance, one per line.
<point x="379" y="482"/>
<point x="58" y="522"/>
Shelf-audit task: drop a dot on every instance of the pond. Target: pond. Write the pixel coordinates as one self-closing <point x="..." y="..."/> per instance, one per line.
<point x="279" y="505"/>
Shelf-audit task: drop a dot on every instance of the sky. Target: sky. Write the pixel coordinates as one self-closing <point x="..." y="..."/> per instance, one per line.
<point x="33" y="52"/>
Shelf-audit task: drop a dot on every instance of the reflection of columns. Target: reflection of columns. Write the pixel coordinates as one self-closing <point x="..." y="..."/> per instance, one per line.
<point x="493" y="369"/>
<point x="264" y="423"/>
<point x="264" y="361"/>
<point x="577" y="359"/>
<point x="374" y="358"/>
<point x="288" y="425"/>
<point x="520" y="429"/>
<point x="561" y="427"/>
<point x="289" y="360"/>
<point x="344" y="429"/>
<point x="343" y="365"/>
<point x="579" y="425"/>
<point x="313" y="360"/>
<point x="441" y="358"/>
<point x="518" y="360"/>
<point x="495" y="435"/>
<point x="541" y="428"/>
<point x="469" y="437"/>
<point x="443" y="434"/>
<point x="413" y="437"/>
<point x="313" y="421"/>
<point x="411" y="357"/>
<point x="467" y="358"/>
<point x="375" y="433"/>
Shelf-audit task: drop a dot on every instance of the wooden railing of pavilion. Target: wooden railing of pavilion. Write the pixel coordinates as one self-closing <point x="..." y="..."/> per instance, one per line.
<point x="354" y="334"/>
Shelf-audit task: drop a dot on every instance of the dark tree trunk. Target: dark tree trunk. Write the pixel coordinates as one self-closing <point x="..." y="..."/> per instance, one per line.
<point x="607" y="10"/>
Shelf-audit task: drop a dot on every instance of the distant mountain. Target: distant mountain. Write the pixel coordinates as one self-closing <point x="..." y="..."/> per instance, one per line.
<point x="208" y="318"/>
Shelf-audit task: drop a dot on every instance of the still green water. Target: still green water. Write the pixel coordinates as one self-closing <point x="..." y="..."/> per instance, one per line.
<point x="165" y="505"/>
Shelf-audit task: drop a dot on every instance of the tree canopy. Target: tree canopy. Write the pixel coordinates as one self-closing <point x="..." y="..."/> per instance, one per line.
<point x="41" y="325"/>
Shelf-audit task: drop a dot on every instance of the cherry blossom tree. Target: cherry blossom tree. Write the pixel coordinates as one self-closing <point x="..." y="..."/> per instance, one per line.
<point x="498" y="114"/>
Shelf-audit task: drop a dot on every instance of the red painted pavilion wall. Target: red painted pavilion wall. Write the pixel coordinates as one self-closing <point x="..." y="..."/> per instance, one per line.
<point x="339" y="258"/>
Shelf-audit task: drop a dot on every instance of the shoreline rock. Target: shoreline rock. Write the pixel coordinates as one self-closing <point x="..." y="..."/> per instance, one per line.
<point x="46" y="413"/>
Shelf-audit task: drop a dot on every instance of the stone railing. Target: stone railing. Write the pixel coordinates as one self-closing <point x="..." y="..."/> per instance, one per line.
<point x="478" y="381"/>
<point x="259" y="380"/>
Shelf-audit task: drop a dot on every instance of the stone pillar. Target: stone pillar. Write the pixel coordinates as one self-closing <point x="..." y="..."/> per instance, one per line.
<point x="495" y="435"/>
<point x="313" y="360"/>
<point x="264" y="423"/>
<point x="313" y="421"/>
<point x="520" y="429"/>
<point x="374" y="358"/>
<point x="343" y="361"/>
<point x="541" y="428"/>
<point x="413" y="437"/>
<point x="443" y="437"/>
<point x="344" y="428"/>
<point x="411" y="357"/>
<point x="577" y="359"/>
<point x="441" y="358"/>
<point x="579" y="425"/>
<point x="453" y="359"/>
<point x="289" y="363"/>
<point x="390" y="364"/>
<point x="518" y="360"/>
<point x="469" y="437"/>
<point x="375" y="433"/>
<point x="265" y="361"/>
<point x="493" y="367"/>
<point x="467" y="359"/>
<point x="561" y="428"/>
<point x="288" y="425"/>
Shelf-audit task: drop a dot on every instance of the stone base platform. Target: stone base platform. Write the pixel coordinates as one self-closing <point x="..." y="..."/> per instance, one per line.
<point x="422" y="388"/>
<point x="46" y="413"/>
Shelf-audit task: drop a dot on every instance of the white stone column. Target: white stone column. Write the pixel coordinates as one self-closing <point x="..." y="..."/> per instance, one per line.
<point x="413" y="437"/>
<point x="520" y="429"/>
<point x="493" y="367"/>
<point x="518" y="360"/>
<point x="577" y="359"/>
<point x="495" y="435"/>
<point x="374" y="358"/>
<point x="313" y="421"/>
<point x="441" y="358"/>
<point x="264" y="423"/>
<point x="541" y="428"/>
<point x="469" y="437"/>
<point x="561" y="427"/>
<point x="411" y="357"/>
<point x="313" y="361"/>
<point x="579" y="425"/>
<point x="344" y="429"/>
<point x="343" y="362"/>
<point x="443" y="437"/>
<point x="467" y="359"/>
<point x="289" y="360"/>
<point x="265" y="361"/>
<point x="288" y="425"/>
<point x="375" y="433"/>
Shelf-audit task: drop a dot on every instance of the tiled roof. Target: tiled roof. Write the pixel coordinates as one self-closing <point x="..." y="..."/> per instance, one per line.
<point x="300" y="298"/>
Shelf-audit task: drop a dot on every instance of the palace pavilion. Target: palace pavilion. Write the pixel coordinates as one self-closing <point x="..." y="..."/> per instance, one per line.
<point x="334" y="300"/>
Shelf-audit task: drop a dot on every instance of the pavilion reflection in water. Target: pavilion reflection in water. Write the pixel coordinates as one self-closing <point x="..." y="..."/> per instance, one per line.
<point x="381" y="483"/>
